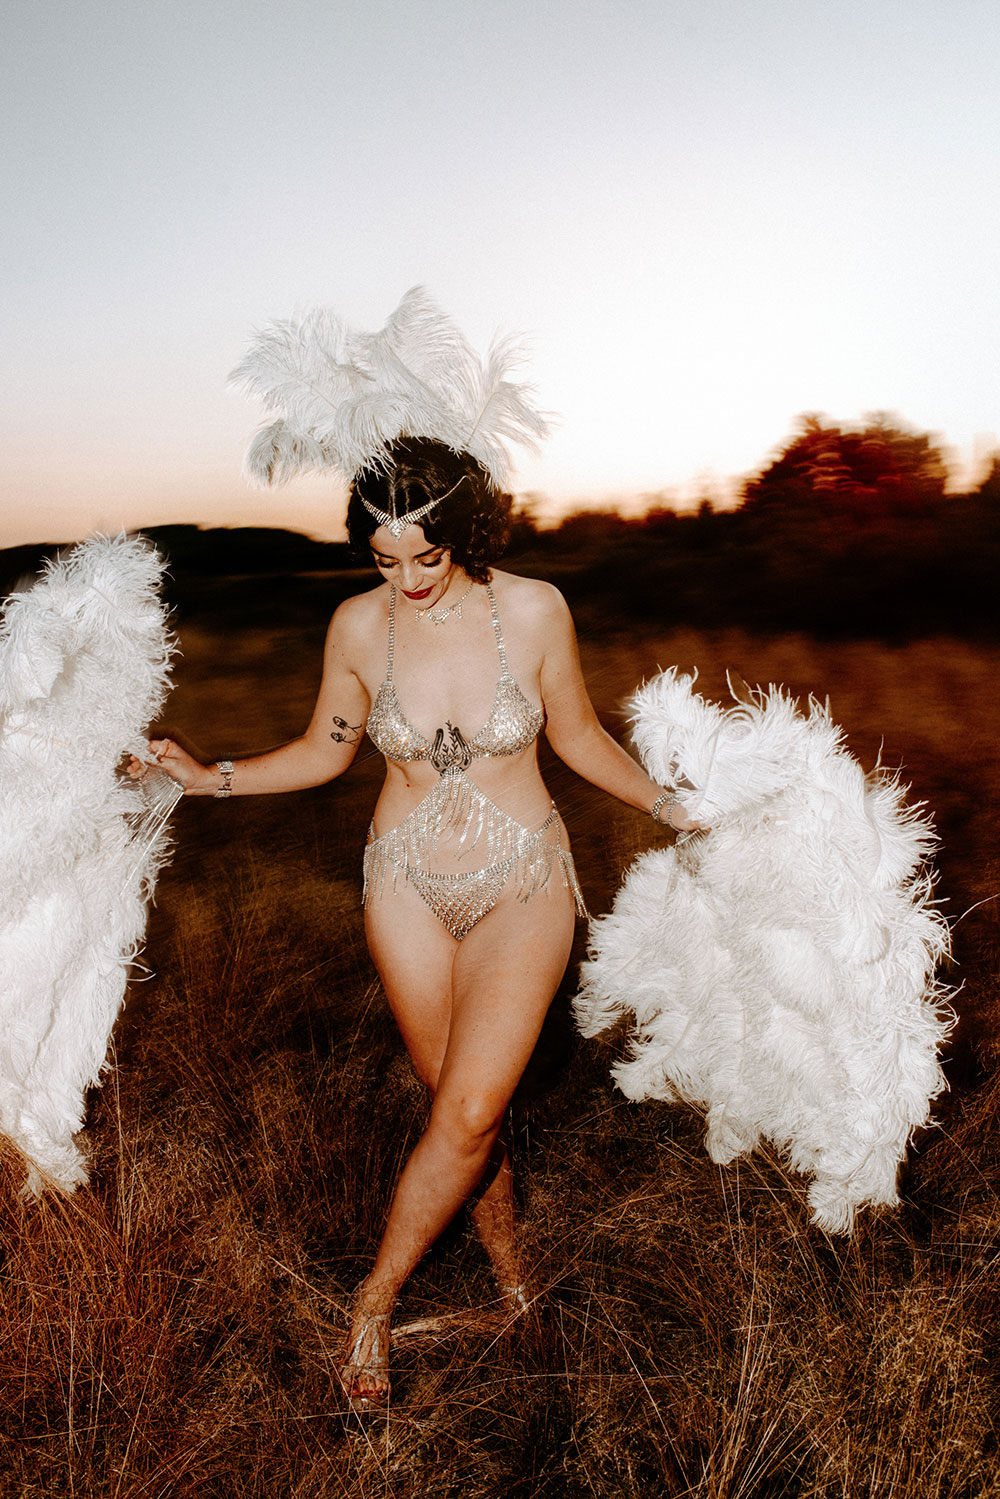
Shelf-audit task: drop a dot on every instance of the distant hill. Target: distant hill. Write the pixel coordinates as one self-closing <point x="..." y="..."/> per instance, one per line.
<point x="892" y="564"/>
<point x="20" y="565"/>
<point x="229" y="551"/>
<point x="217" y="551"/>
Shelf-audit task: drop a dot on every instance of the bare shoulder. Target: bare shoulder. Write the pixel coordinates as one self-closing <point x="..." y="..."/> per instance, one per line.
<point x="358" y="622"/>
<point x="360" y="613"/>
<point x="536" y="604"/>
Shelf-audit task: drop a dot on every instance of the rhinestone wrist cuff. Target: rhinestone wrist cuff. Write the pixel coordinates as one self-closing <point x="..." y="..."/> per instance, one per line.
<point x="669" y="800"/>
<point x="226" y="768"/>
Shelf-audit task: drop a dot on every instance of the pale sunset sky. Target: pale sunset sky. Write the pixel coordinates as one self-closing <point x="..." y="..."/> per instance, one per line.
<point x="708" y="216"/>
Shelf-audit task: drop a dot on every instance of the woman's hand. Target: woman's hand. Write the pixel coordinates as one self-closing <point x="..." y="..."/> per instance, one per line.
<point x="682" y="822"/>
<point x="197" y="779"/>
<point x="671" y="813"/>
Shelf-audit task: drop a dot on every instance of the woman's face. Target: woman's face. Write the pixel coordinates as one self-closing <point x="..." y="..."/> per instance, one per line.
<point x="421" y="570"/>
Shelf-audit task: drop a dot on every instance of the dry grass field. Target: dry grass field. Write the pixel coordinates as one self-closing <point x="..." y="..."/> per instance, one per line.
<point x="169" y="1331"/>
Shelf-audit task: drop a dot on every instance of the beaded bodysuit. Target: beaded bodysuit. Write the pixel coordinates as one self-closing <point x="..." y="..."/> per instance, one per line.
<point x="456" y="818"/>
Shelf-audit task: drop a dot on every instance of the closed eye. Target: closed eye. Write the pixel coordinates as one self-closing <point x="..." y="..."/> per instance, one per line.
<point x="385" y="563"/>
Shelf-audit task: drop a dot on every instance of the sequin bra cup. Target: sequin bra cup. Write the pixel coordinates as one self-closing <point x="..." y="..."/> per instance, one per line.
<point x="456" y="815"/>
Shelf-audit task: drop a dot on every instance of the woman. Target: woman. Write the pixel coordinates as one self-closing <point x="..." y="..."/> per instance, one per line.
<point x="470" y="891"/>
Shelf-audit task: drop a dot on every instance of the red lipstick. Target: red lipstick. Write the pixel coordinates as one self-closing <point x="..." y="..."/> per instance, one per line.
<point x="423" y="593"/>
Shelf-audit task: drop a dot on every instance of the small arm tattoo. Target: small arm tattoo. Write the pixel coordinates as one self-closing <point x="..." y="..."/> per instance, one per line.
<point x="345" y="733"/>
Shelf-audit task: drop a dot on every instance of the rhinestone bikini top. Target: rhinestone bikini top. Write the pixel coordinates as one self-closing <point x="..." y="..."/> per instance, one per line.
<point x="514" y="723"/>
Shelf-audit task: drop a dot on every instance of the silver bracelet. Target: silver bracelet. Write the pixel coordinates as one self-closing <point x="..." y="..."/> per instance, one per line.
<point x="667" y="799"/>
<point x="226" y="767"/>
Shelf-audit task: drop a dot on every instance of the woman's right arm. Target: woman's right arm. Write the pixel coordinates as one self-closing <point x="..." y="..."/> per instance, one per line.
<point x="575" y="732"/>
<point x="324" y="751"/>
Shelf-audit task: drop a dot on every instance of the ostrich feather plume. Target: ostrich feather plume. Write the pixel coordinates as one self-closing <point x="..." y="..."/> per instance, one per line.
<point x="84" y="657"/>
<point x="779" y="972"/>
<point x="338" y="397"/>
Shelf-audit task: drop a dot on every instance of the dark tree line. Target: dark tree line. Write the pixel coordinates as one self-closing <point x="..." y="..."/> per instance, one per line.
<point x="847" y="531"/>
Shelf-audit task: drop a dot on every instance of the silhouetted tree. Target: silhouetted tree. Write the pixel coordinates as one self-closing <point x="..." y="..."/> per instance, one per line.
<point x="523" y="528"/>
<point x="878" y="470"/>
<point x="989" y="490"/>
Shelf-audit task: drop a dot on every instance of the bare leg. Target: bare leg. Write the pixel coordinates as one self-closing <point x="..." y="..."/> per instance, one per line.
<point x="492" y="1214"/>
<point x="471" y="1013"/>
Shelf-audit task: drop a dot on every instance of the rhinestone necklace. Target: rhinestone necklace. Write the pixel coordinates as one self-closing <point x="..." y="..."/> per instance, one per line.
<point x="438" y="615"/>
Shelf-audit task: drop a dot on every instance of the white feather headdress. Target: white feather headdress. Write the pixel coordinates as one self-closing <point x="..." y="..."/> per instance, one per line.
<point x="341" y="396"/>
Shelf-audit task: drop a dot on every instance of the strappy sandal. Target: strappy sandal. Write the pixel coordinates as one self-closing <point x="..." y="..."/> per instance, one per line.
<point x="355" y="1368"/>
<point x="517" y="1299"/>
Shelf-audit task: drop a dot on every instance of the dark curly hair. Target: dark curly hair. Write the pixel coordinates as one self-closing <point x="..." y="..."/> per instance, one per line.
<point x="472" y="521"/>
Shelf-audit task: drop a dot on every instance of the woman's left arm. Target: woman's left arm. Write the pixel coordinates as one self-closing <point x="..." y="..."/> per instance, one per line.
<point x="574" y="730"/>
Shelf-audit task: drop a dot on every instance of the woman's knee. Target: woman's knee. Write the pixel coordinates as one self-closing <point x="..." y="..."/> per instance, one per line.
<point x="469" y="1121"/>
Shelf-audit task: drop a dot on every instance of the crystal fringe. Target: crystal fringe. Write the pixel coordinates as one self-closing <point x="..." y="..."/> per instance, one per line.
<point x="456" y="808"/>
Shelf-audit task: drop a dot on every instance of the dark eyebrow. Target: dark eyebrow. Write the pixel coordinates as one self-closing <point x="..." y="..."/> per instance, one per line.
<point x="376" y="553"/>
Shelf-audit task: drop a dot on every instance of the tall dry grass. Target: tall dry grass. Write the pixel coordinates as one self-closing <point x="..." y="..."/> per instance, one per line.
<point x="170" y="1330"/>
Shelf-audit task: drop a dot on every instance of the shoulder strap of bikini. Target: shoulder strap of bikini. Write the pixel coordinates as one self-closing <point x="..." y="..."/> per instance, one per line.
<point x="497" y="630"/>
<point x="392" y="632"/>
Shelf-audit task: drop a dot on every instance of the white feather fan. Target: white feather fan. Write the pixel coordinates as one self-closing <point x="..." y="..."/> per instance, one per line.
<point x="84" y="659"/>
<point x="341" y="396"/>
<point x="780" y="970"/>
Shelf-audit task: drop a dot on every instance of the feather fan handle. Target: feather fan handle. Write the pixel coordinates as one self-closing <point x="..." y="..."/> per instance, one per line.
<point x="339" y="397"/>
